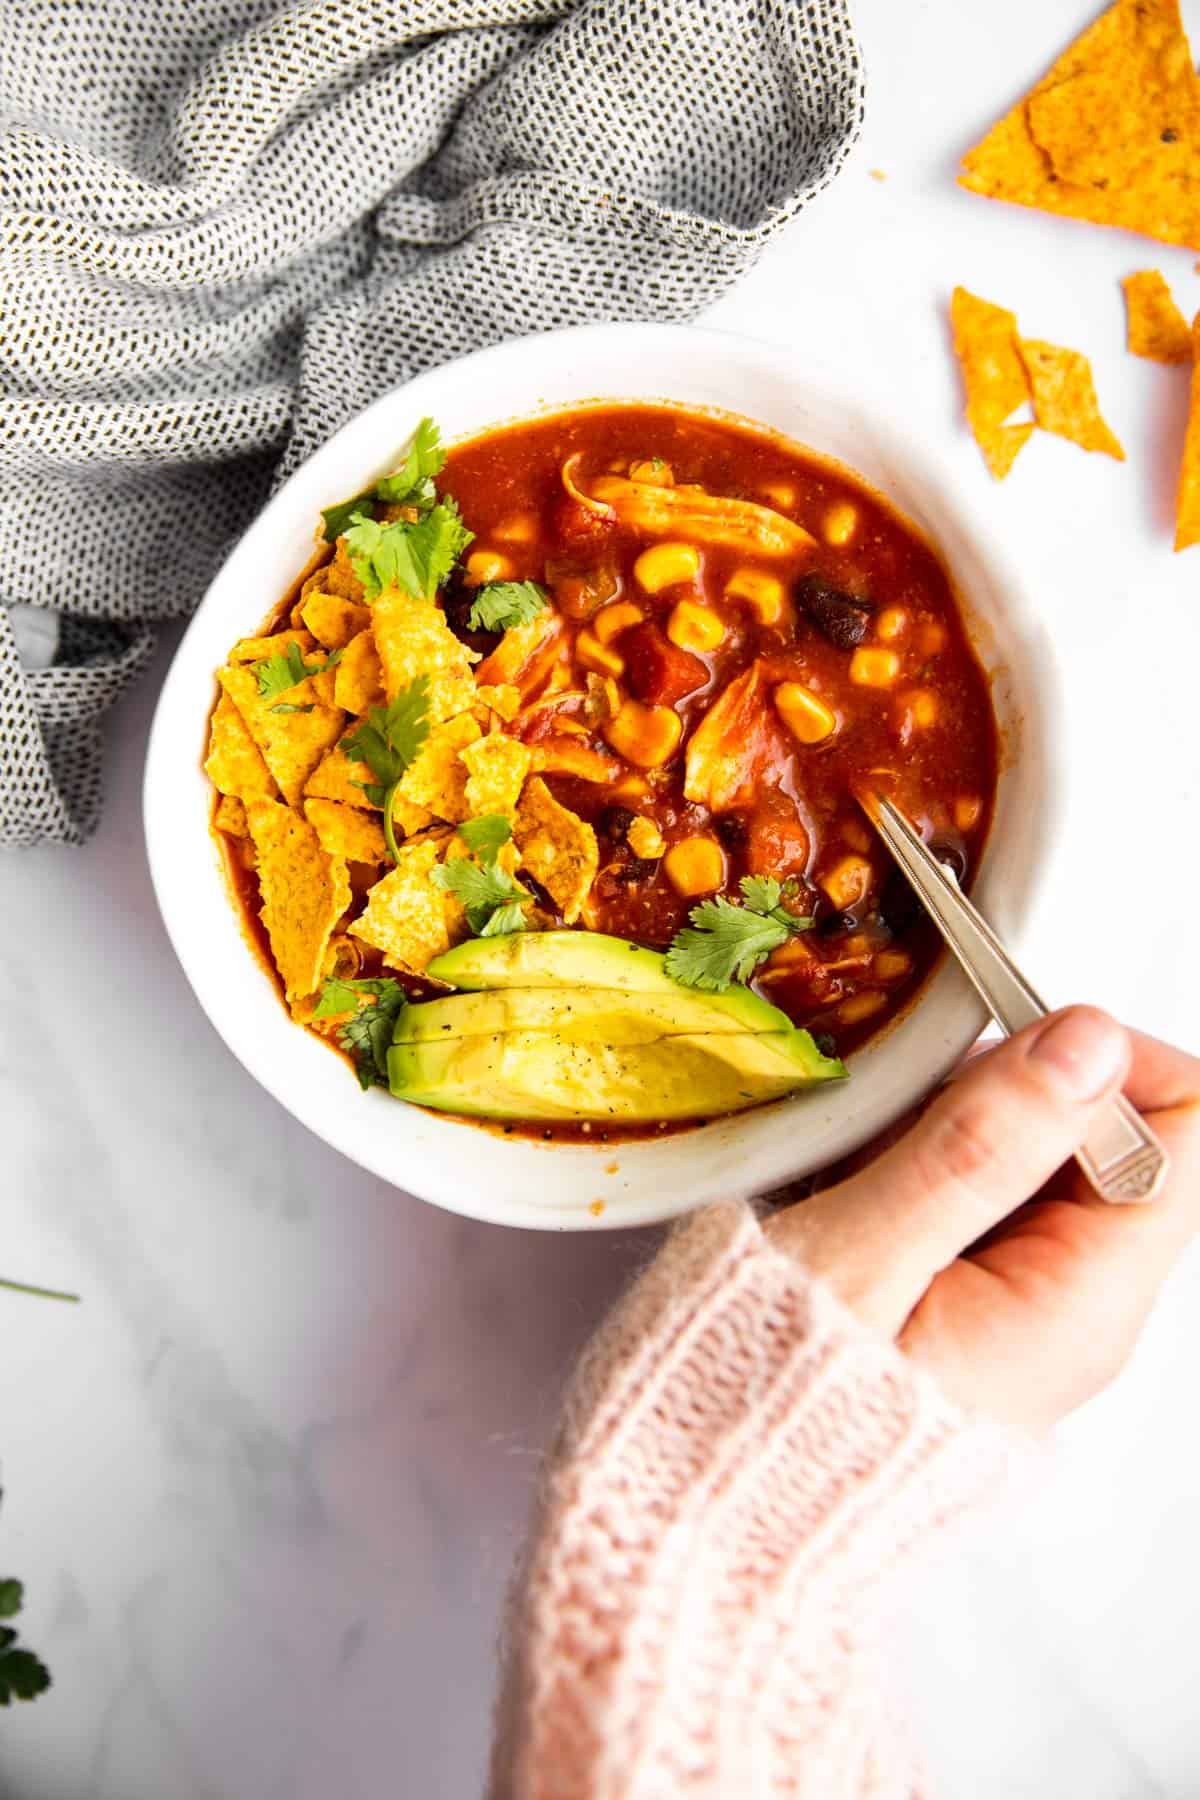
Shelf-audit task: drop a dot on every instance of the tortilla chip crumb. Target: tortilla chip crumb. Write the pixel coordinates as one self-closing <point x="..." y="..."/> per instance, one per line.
<point x="437" y="780"/>
<point x="557" y="847"/>
<point x="497" y="768"/>
<point x="985" y="342"/>
<point x="413" y="638"/>
<point x="1155" y="327"/>
<point x="230" y="817"/>
<point x="304" y="891"/>
<point x="257" y="649"/>
<point x="235" y="763"/>
<point x="504" y="700"/>
<point x="292" y="743"/>
<point x="332" y="619"/>
<point x="877" y="174"/>
<point x="408" y="919"/>
<point x="346" y="831"/>
<point x="1187" y="501"/>
<point x="1064" y="397"/>
<point x="335" y="778"/>
<point x="358" y="675"/>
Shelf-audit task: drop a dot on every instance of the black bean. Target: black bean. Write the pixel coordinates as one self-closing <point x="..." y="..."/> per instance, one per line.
<point x="899" y="907"/>
<point x="615" y="822"/>
<point x="733" y="830"/>
<point x="835" y="923"/>
<point x="638" y="868"/>
<point x="842" y="618"/>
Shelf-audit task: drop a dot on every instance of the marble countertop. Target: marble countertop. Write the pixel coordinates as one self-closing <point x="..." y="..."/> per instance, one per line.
<point x="266" y="1485"/>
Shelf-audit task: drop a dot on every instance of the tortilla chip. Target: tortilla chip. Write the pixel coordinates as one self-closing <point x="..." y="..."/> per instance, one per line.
<point x="1064" y="398"/>
<point x="497" y="768"/>
<point x="304" y="891"/>
<point x="324" y="686"/>
<point x="1187" y="501"/>
<point x="332" y="619"/>
<point x="230" y="817"/>
<point x="408" y="919"/>
<point x="249" y="650"/>
<point x="235" y="763"/>
<point x="346" y="831"/>
<point x="358" y="676"/>
<point x="1155" y="327"/>
<point x="292" y="743"/>
<point x="335" y="776"/>
<point x="985" y="342"/>
<point x="437" y="780"/>
<point x="525" y="654"/>
<point x="504" y="701"/>
<point x="557" y="847"/>
<point x="413" y="639"/>
<point x="409" y="818"/>
<point x="336" y="577"/>
<point x="1111" y="134"/>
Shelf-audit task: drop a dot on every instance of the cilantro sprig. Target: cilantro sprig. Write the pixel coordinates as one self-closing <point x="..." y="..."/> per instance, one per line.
<point x="499" y="605"/>
<point x="23" y="1676"/>
<point x="410" y="485"/>
<point x="389" y="743"/>
<point x="287" y="669"/>
<point x="493" y="900"/>
<point x="726" y="942"/>
<point x="373" y="1008"/>
<point x="416" y="557"/>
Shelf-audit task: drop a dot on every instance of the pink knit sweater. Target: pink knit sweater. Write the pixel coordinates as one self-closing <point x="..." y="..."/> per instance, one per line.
<point x="740" y="1467"/>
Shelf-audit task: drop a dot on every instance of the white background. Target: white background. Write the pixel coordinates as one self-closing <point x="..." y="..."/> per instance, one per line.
<point x="266" y="1484"/>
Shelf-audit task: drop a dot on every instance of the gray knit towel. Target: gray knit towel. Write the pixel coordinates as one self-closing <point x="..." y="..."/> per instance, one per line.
<point x="227" y="225"/>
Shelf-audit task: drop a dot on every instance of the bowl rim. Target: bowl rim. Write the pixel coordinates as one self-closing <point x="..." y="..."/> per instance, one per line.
<point x="1040" y="690"/>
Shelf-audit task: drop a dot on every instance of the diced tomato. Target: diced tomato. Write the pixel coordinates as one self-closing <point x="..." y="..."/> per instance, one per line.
<point x="577" y="528"/>
<point x="778" y="844"/>
<point x="658" y="672"/>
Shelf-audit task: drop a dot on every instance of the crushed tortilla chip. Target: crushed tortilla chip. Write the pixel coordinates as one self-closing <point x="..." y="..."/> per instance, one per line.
<point x="230" y="816"/>
<point x="408" y="919"/>
<point x="497" y="767"/>
<point x="335" y="776"/>
<point x="525" y="654"/>
<point x="324" y="686"/>
<point x="358" y="676"/>
<point x="1111" y="134"/>
<point x="413" y="638"/>
<point x="1187" y="500"/>
<point x="346" y="831"/>
<point x="292" y="743"/>
<point x="332" y="619"/>
<point x="1155" y="327"/>
<point x="557" y="847"/>
<point x="504" y="700"/>
<point x="304" y="891"/>
<point x="1064" y="397"/>
<point x="437" y="780"/>
<point x="257" y="649"/>
<point x="985" y="342"/>
<point x="337" y="576"/>
<point x="235" y="763"/>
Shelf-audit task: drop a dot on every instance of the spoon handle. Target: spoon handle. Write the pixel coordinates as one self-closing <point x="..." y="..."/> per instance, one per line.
<point x="1122" y="1158"/>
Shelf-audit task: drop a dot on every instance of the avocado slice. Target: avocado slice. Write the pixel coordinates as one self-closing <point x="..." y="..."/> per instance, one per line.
<point x="578" y="1015"/>
<point x="543" y="1075"/>
<point x="588" y="959"/>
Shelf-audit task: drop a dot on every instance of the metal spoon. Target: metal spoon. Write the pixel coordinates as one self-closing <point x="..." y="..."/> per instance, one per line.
<point x="1122" y="1158"/>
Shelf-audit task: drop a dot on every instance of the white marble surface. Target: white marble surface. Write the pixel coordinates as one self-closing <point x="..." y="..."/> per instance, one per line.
<point x="265" y="1485"/>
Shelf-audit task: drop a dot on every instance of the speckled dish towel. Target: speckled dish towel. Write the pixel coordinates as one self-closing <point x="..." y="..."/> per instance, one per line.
<point x="227" y="225"/>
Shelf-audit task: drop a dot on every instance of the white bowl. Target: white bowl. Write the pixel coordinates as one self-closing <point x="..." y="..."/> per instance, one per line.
<point x="555" y="1186"/>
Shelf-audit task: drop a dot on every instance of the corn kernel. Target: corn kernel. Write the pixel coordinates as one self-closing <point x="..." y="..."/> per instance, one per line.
<point x="874" y="668"/>
<point x="785" y="961"/>
<point x="645" y="839"/>
<point x="891" y="624"/>
<point x="808" y="719"/>
<point x="595" y="655"/>
<point x="654" y="472"/>
<point x="694" y="627"/>
<point x="856" y="834"/>
<point x="664" y="565"/>
<point x="630" y="787"/>
<point x="613" y="697"/>
<point x="647" y="736"/>
<point x="861" y="1006"/>
<point x="967" y="810"/>
<point x="487" y="565"/>
<point x="847" y="882"/>
<point x="612" y="620"/>
<point x="781" y="494"/>
<point x="763" y="594"/>
<point x="922" y="707"/>
<point x="840" y="523"/>
<point x="518" y="528"/>
<point x="695" y="866"/>
<point x="931" y="638"/>
<point x="892" y="965"/>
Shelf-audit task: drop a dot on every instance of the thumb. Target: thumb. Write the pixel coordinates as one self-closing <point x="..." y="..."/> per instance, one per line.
<point x="986" y="1145"/>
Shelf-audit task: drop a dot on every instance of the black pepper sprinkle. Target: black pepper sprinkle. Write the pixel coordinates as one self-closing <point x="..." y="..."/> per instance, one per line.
<point x="1170" y="136"/>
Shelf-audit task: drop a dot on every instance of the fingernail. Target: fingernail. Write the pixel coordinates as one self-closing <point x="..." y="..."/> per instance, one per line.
<point x="1086" y="1050"/>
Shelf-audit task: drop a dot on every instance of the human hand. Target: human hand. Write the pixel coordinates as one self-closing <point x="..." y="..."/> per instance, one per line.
<point x="977" y="1244"/>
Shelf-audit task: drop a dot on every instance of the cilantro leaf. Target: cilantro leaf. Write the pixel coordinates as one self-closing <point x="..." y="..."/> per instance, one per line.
<point x="287" y="669"/>
<point x="482" y="890"/>
<point x="504" y="919"/>
<point x="412" y="482"/>
<point x="374" y="1007"/>
<point x="389" y="743"/>
<point x="23" y="1676"/>
<point x="485" y="835"/>
<point x="414" y="556"/>
<point x="501" y="604"/>
<point x="726" y="942"/>
<point x="283" y="707"/>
